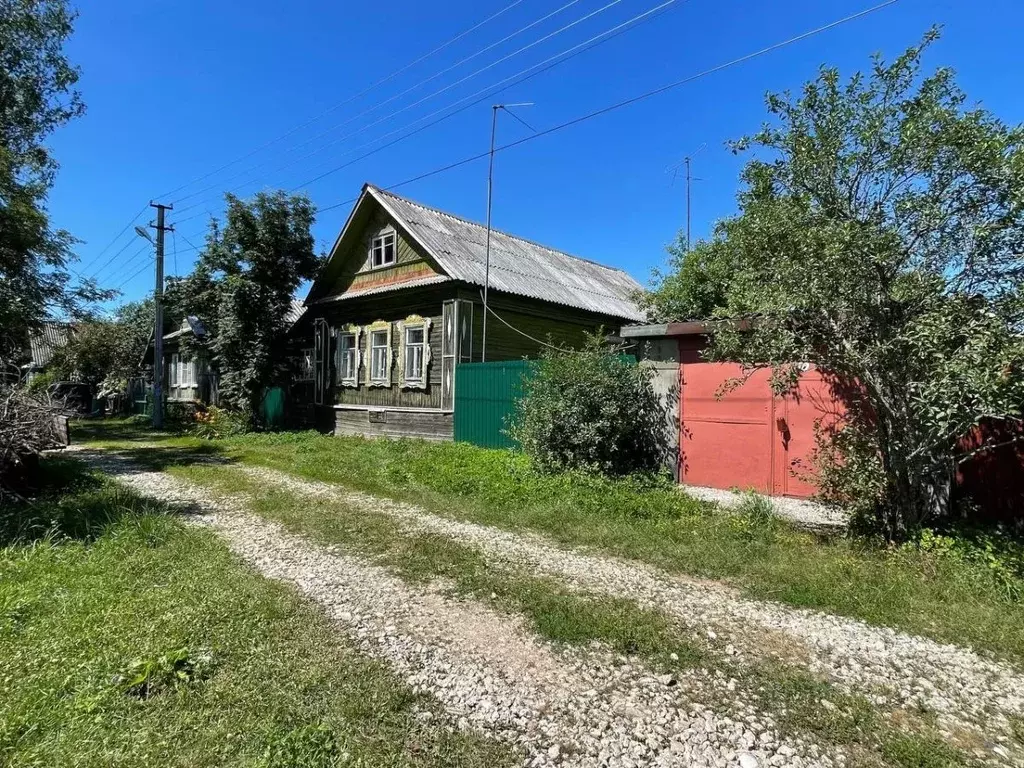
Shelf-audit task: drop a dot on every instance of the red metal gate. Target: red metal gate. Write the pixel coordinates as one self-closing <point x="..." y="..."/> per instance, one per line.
<point x="749" y="438"/>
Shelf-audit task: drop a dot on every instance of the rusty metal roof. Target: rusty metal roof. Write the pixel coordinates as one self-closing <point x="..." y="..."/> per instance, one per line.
<point x="518" y="266"/>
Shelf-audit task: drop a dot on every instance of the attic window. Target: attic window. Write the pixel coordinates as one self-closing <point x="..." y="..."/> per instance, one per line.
<point x="382" y="250"/>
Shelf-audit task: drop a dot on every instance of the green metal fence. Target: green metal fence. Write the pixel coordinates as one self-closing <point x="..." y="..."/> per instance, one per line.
<point x="485" y="398"/>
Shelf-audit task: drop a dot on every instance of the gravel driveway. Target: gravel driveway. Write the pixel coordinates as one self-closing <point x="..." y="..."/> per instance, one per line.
<point x="587" y="706"/>
<point x="558" y="706"/>
<point x="894" y="669"/>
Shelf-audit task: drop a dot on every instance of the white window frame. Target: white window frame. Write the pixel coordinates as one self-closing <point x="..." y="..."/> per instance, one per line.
<point x="173" y="379"/>
<point x="379" y="245"/>
<point x="373" y="332"/>
<point x="413" y="323"/>
<point x="352" y="332"/>
<point x="188" y="373"/>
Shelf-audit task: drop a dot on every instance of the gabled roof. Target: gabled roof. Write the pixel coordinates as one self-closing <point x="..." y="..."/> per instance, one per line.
<point x="191" y="324"/>
<point x="519" y="267"/>
<point x="295" y="312"/>
<point x="45" y="340"/>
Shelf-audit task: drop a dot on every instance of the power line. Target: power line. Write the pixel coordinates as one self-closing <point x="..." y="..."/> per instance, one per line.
<point x="110" y="261"/>
<point x="109" y="245"/>
<point x="345" y="101"/>
<point x="633" y="100"/>
<point x="507" y="82"/>
<point x="395" y="96"/>
<point x="135" y="274"/>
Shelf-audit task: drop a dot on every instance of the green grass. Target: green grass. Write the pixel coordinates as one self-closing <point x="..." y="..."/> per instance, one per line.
<point x="129" y="639"/>
<point x="925" y="593"/>
<point x="560" y="615"/>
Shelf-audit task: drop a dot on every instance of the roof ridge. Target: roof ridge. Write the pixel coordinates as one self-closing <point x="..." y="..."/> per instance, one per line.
<point x="418" y="204"/>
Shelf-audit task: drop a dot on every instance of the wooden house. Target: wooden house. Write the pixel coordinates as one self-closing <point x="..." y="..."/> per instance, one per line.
<point x="188" y="374"/>
<point x="398" y="306"/>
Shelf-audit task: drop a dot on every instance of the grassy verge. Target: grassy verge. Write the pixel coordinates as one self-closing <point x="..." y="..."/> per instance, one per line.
<point x="128" y="639"/>
<point x="790" y="694"/>
<point x="927" y="593"/>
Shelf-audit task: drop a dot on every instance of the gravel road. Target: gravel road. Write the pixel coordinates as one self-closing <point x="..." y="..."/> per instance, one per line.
<point x="557" y="706"/>
<point x="968" y="692"/>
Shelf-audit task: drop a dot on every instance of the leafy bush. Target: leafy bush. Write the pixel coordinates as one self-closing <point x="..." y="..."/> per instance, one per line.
<point x="179" y="416"/>
<point x="593" y="411"/>
<point x="214" y="423"/>
<point x="995" y="561"/>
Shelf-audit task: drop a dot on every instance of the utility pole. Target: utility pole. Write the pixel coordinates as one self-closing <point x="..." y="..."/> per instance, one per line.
<point x="490" y="186"/>
<point x="158" y="322"/>
<point x="688" y="179"/>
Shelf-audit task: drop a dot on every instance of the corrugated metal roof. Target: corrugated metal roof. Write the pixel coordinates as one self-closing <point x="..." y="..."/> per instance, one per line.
<point x="295" y="312"/>
<point x="518" y="266"/>
<point x="191" y="324"/>
<point x="46" y="340"/>
<point x="384" y="289"/>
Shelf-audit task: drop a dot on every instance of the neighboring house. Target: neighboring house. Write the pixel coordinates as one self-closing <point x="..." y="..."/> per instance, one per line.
<point x="188" y="375"/>
<point x="42" y="344"/>
<point x="399" y="305"/>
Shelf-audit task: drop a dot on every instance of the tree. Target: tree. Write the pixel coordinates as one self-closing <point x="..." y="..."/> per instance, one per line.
<point x="107" y="353"/>
<point x="242" y="289"/>
<point x="881" y="237"/>
<point x="37" y="96"/>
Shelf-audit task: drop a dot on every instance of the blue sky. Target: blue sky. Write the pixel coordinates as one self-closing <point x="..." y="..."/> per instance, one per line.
<point x="176" y="90"/>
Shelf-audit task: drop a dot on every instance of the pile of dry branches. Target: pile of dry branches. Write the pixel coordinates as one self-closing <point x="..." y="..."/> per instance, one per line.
<point x="29" y="425"/>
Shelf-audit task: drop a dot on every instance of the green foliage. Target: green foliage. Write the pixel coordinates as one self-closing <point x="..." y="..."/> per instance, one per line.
<point x="308" y="746"/>
<point x="146" y="677"/>
<point x="881" y="237"/>
<point x="213" y="423"/>
<point x="76" y="615"/>
<point x="242" y="289"/>
<point x="591" y="410"/>
<point x="37" y="96"/>
<point x="997" y="562"/>
<point x="694" y="284"/>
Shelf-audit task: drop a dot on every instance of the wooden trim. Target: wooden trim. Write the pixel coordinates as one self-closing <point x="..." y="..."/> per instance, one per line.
<point x="400" y="408"/>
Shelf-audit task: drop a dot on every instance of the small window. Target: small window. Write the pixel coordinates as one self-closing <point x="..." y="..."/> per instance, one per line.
<point x="415" y="343"/>
<point x="379" y="356"/>
<point x="188" y="373"/>
<point x="382" y="250"/>
<point x="347" y="358"/>
<point x="175" y="363"/>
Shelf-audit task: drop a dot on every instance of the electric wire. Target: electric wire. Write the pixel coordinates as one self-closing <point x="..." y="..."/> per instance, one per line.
<point x="398" y="95"/>
<point x="348" y="100"/>
<point x="633" y="100"/>
<point x="109" y="245"/>
<point x="477" y="97"/>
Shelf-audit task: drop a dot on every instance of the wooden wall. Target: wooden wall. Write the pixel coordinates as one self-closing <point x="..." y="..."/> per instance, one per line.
<point x="565" y="326"/>
<point x="358" y="274"/>
<point x="429" y="425"/>
<point x="393" y="308"/>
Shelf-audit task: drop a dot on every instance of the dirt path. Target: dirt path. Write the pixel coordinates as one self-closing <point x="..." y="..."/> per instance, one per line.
<point x="572" y="707"/>
<point x="896" y="670"/>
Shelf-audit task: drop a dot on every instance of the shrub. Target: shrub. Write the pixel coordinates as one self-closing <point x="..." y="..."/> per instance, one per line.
<point x="214" y="423"/>
<point x="591" y="410"/>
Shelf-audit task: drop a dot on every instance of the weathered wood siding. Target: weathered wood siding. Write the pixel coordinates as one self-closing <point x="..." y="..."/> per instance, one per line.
<point x="565" y="327"/>
<point x="358" y="273"/>
<point x="391" y="308"/>
<point x="430" y="425"/>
